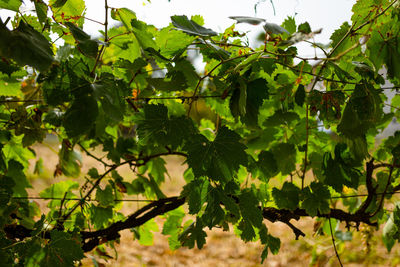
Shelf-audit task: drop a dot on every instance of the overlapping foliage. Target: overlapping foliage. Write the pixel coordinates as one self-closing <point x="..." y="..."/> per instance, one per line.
<point x="265" y="132"/>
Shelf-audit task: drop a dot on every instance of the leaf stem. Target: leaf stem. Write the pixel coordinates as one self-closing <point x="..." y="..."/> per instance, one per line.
<point x="334" y="243"/>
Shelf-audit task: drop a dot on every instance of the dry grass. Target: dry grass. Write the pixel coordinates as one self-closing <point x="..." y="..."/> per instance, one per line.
<point x="222" y="248"/>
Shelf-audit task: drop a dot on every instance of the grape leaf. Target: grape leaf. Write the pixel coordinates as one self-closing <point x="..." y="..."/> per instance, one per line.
<point x="304" y="28"/>
<point x="196" y="193"/>
<point x="11" y="4"/>
<point x="300" y="95"/>
<point x="285" y="156"/>
<point x="172" y="42"/>
<point x="190" y="27"/>
<point x="267" y="164"/>
<point x="68" y="11"/>
<point x="194" y="234"/>
<point x="63" y="250"/>
<point x="26" y="46"/>
<point x="247" y="231"/>
<point x="81" y="116"/>
<point x="111" y="93"/>
<point x="249" y="209"/>
<point x="219" y="159"/>
<point x="247" y="100"/>
<point x="281" y="117"/>
<point x="289" y="24"/>
<point x="105" y="197"/>
<point x="156" y="127"/>
<point x="86" y="45"/>
<point x="315" y="199"/>
<point x="100" y="216"/>
<point x="337" y="173"/>
<point x="213" y="213"/>
<point x="287" y="197"/>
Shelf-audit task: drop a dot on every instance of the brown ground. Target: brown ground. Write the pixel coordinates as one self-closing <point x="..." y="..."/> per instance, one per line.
<point x="224" y="248"/>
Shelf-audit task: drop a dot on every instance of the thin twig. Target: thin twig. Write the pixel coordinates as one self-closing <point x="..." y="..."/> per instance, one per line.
<point x="142" y="161"/>
<point x="103" y="47"/>
<point x="303" y="176"/>
<point x="209" y="73"/>
<point x="93" y="156"/>
<point x="334" y="243"/>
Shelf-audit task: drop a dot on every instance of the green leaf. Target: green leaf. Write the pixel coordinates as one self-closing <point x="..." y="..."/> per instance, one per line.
<point x="287" y="197"/>
<point x="196" y="192"/>
<point x="156" y="127"/>
<point x="247" y="231"/>
<point x="385" y="51"/>
<point x="173" y="222"/>
<point x="41" y="11"/>
<point x="337" y="173"/>
<point x="304" y="28"/>
<point x="105" y="197"/>
<point x="172" y="42"/>
<point x="68" y="11"/>
<point x="249" y="209"/>
<point x="267" y="164"/>
<point x="219" y="159"/>
<point x="123" y="46"/>
<point x="229" y="203"/>
<point x="100" y="216"/>
<point x="338" y="34"/>
<point x="190" y="27"/>
<point x="176" y="82"/>
<point x="111" y="93"/>
<point x="145" y="232"/>
<point x="59" y="3"/>
<point x="362" y="112"/>
<point x="63" y="250"/>
<point x="247" y="99"/>
<point x="316" y="199"/>
<point x="213" y="214"/>
<point x="300" y="95"/>
<point x="85" y="44"/>
<point x="26" y="46"/>
<point x="11" y="4"/>
<point x="281" y="117"/>
<point x="70" y="161"/>
<point x="58" y="190"/>
<point x="124" y="15"/>
<point x="15" y="171"/>
<point x="285" y="156"/>
<point x="327" y="105"/>
<point x="142" y="34"/>
<point x="80" y="116"/>
<point x="271" y="243"/>
<point x="194" y="234"/>
<point x="289" y="24"/>
<point x="391" y="230"/>
<point x="93" y="173"/>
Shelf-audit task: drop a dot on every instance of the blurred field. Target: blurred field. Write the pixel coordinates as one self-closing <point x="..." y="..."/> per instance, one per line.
<point x="222" y="248"/>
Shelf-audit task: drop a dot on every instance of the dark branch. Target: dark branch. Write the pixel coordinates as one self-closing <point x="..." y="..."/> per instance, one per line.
<point x="138" y="218"/>
<point x="156" y="208"/>
<point x="370" y="188"/>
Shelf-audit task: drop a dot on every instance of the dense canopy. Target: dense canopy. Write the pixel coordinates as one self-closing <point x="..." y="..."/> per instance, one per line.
<point x="266" y="134"/>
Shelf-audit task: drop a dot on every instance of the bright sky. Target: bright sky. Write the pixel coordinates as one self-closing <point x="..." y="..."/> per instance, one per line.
<point x="325" y="14"/>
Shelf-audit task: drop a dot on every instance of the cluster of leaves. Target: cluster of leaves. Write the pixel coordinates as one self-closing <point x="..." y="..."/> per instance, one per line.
<point x="252" y="115"/>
